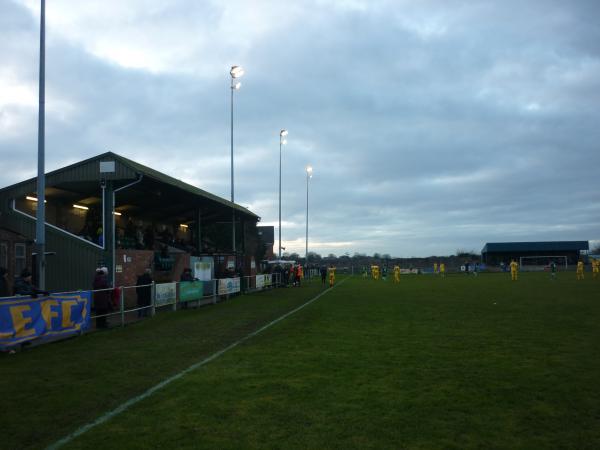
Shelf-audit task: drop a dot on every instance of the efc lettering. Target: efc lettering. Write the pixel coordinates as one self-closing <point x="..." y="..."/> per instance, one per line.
<point x="55" y="316"/>
<point x="26" y="319"/>
<point x="21" y="317"/>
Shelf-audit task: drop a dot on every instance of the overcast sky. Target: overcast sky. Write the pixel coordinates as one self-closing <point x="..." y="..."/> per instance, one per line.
<point x="432" y="126"/>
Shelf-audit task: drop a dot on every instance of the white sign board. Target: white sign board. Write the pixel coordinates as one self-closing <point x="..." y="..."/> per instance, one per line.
<point x="229" y="286"/>
<point x="166" y="294"/>
<point x="268" y="279"/>
<point x="107" y="166"/>
<point x="202" y="270"/>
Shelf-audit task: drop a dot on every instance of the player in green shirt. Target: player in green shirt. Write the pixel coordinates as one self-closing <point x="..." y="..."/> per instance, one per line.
<point x="553" y="270"/>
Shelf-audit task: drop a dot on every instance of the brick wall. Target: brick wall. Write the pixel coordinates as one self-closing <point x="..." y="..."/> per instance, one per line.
<point x="133" y="263"/>
<point x="182" y="260"/>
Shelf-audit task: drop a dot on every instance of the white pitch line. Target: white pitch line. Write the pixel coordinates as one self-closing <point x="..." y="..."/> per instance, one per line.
<point x="132" y="401"/>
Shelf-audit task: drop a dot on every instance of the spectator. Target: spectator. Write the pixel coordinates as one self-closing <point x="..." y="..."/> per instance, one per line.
<point x="144" y="292"/>
<point x="187" y="275"/>
<point x="164" y="251"/>
<point x="23" y="285"/>
<point x="323" y="275"/>
<point x="130" y="230"/>
<point x="99" y="236"/>
<point x="139" y="238"/>
<point x="286" y="275"/>
<point x="149" y="237"/>
<point x="102" y="300"/>
<point x="3" y="282"/>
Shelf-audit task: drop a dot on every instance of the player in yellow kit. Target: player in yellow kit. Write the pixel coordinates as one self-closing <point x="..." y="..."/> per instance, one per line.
<point x="434" y="268"/>
<point x="514" y="270"/>
<point x="375" y="272"/>
<point x="331" y="271"/>
<point x="595" y="267"/>
<point x="580" y="275"/>
<point x="443" y="270"/>
<point x="396" y="274"/>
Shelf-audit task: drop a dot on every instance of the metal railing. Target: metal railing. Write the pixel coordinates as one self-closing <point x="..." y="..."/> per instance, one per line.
<point x="131" y="303"/>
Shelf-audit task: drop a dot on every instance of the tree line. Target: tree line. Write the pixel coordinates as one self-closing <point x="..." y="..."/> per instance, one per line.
<point x="382" y="259"/>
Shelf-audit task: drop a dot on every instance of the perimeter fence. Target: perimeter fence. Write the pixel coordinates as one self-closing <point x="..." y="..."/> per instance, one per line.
<point x="129" y="304"/>
<point x="38" y="319"/>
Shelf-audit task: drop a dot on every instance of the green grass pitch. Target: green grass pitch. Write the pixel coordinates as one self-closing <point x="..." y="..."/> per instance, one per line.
<point x="461" y="362"/>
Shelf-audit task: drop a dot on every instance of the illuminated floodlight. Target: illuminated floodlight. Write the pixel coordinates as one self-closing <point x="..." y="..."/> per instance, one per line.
<point x="236" y="72"/>
<point x="81" y="207"/>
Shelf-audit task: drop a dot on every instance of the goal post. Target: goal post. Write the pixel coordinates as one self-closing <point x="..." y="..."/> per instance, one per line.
<point x="541" y="263"/>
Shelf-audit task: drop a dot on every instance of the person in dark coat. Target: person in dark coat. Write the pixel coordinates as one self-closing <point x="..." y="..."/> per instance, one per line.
<point x="23" y="285"/>
<point x="186" y="275"/>
<point x="144" y="292"/>
<point x="102" y="298"/>
<point x="3" y="282"/>
<point x="323" y="275"/>
<point x="286" y="276"/>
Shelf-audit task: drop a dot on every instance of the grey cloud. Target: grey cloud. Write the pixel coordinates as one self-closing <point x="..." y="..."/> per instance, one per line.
<point x="421" y="144"/>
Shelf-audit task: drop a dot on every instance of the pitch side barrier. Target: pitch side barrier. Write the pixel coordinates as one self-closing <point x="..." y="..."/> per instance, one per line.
<point x="26" y="320"/>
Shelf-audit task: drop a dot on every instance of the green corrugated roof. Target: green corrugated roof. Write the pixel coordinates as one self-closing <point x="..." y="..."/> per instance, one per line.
<point x="164" y="178"/>
<point x="146" y="172"/>
<point x="535" y="246"/>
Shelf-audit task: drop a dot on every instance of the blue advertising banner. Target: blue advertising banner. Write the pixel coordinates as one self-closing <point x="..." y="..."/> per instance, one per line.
<point x="25" y="319"/>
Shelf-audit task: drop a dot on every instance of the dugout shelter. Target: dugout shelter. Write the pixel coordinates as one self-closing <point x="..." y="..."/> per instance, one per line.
<point x="495" y="253"/>
<point x="111" y="211"/>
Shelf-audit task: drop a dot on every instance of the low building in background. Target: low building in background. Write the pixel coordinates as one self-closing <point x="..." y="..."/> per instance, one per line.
<point x="496" y="253"/>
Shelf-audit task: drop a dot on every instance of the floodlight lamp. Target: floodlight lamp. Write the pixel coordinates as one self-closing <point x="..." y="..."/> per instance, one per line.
<point x="284" y="141"/>
<point x="283" y="133"/>
<point x="237" y="86"/>
<point x="309" y="171"/>
<point x="236" y="71"/>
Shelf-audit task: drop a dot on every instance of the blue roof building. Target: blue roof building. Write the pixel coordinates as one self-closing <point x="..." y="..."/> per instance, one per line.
<point x="494" y="253"/>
